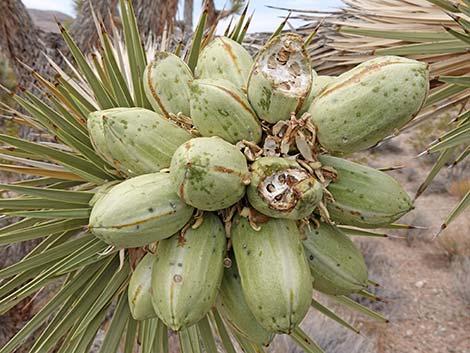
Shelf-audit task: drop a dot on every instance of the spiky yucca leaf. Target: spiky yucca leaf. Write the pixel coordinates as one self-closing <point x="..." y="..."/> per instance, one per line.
<point x="54" y="207"/>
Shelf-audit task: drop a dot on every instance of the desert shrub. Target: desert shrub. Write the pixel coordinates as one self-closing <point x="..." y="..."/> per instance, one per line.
<point x="331" y="336"/>
<point x="379" y="266"/>
<point x="456" y="238"/>
<point x="461" y="267"/>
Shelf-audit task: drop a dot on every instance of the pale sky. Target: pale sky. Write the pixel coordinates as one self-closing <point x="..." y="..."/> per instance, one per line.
<point x="265" y="19"/>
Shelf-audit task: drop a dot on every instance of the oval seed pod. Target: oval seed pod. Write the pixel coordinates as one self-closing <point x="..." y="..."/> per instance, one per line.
<point x="336" y="264"/>
<point x="140" y="295"/>
<point x="139" y="211"/>
<point x="319" y="83"/>
<point x="209" y="173"/>
<point x="364" y="197"/>
<point x="369" y="103"/>
<point x="224" y="59"/>
<point x="274" y="272"/>
<point x="281" y="188"/>
<point x="135" y="140"/>
<point x="233" y="307"/>
<point x="166" y="84"/>
<point x="280" y="79"/>
<point x="187" y="273"/>
<point x="218" y="108"/>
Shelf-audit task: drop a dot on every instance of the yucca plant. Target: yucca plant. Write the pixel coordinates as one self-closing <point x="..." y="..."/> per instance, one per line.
<point x="195" y="192"/>
<point x="434" y="31"/>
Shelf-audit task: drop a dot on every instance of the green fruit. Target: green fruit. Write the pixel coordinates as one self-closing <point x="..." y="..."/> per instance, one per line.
<point x="369" y="103"/>
<point x="218" y="108"/>
<point x="280" y="79"/>
<point x="187" y="274"/>
<point x="274" y="272"/>
<point x="336" y="264"/>
<point x="281" y="188"/>
<point x="209" y="173"/>
<point x="364" y="197"/>
<point x="135" y="140"/>
<point x="319" y="83"/>
<point x="224" y="59"/>
<point x="140" y="292"/>
<point x="139" y="211"/>
<point x="233" y="307"/>
<point x="166" y="84"/>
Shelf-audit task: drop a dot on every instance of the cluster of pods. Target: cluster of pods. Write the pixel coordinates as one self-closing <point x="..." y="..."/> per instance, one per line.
<point x="237" y="186"/>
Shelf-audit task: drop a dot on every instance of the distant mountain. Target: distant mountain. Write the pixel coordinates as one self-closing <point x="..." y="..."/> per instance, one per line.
<point x="45" y="19"/>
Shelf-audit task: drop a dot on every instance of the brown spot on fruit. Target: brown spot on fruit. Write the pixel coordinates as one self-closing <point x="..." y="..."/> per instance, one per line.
<point x="221" y="169"/>
<point x="232" y="55"/>
<point x="136" y="294"/>
<point x="154" y="93"/>
<point x="181" y="240"/>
